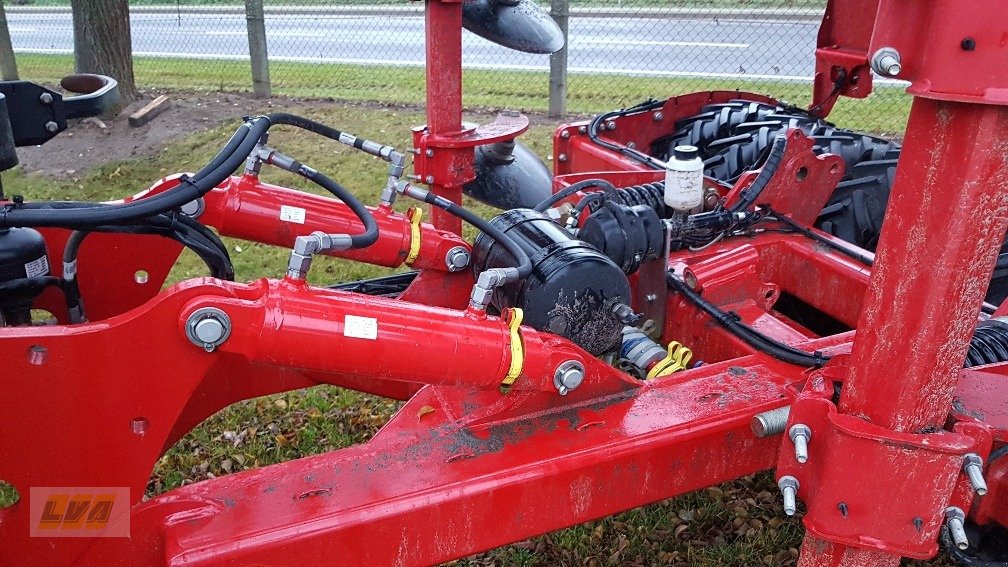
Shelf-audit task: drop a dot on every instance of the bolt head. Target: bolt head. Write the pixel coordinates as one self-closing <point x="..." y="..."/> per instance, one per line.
<point x="429" y="152"/>
<point x="429" y="179"/>
<point x="565" y="134"/>
<point x="658" y="116"/>
<point x="457" y="259"/>
<point x="611" y="125"/>
<point x="583" y="129"/>
<point x="45" y="98"/>
<point x="208" y="327"/>
<point x="568" y="376"/>
<point x="562" y="157"/>
<point x="209" y="330"/>
<point x="51" y="127"/>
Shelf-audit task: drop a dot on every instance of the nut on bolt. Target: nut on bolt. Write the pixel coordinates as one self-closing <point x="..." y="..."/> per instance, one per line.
<point x="457" y="259"/>
<point x="568" y="376"/>
<point x="954" y="518"/>
<point x="789" y="490"/>
<point x="800" y="435"/>
<point x="886" y="62"/>
<point x="973" y="467"/>
<point x="208" y="328"/>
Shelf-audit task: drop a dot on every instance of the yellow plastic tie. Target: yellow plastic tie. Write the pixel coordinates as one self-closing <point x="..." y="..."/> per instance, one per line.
<point x="415" y="215"/>
<point x="517" y="350"/>
<point x="677" y="359"/>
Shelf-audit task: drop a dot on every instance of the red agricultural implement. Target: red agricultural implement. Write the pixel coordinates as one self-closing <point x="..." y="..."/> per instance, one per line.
<point x="638" y="334"/>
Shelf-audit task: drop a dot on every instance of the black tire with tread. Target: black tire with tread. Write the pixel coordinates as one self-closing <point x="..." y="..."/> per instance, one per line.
<point x="733" y="136"/>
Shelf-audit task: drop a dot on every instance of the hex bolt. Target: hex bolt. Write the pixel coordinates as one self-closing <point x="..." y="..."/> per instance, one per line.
<point x="583" y="129"/>
<point x="208" y="328"/>
<point x="429" y="179"/>
<point x="429" y="152"/>
<point x="45" y="98"/>
<point x="51" y="127"/>
<point x="886" y="61"/>
<point x="770" y="422"/>
<point x="568" y="376"/>
<point x="658" y="116"/>
<point x="789" y="489"/>
<point x="565" y="134"/>
<point x="562" y="157"/>
<point x="611" y="125"/>
<point x="973" y="466"/>
<point x="457" y="259"/>
<point x="954" y="518"/>
<point x="800" y="434"/>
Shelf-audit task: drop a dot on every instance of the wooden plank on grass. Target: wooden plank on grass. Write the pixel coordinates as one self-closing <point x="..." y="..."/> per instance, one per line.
<point x="147" y="113"/>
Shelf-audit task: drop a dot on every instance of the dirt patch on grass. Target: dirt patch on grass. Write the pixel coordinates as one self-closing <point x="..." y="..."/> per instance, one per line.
<point x="88" y="143"/>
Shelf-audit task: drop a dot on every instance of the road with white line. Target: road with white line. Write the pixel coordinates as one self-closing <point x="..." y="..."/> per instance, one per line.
<point x="733" y="48"/>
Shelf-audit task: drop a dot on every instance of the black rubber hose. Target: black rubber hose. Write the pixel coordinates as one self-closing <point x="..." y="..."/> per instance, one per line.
<point x="750" y="193"/>
<point x="753" y="338"/>
<point x="572" y="189"/>
<point x="370" y="234"/>
<point x="308" y="124"/>
<point x="188" y="190"/>
<point x="521" y="257"/>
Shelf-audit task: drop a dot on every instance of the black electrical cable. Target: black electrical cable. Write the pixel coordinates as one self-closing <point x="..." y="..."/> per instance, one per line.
<point x="572" y="189"/>
<point x="593" y="132"/>
<point x="755" y="339"/>
<point x="521" y="257"/>
<point x="852" y="252"/>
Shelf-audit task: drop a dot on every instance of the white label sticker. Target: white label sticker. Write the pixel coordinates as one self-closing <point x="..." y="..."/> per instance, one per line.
<point x="292" y="214"/>
<point x="360" y="327"/>
<point x="38" y="267"/>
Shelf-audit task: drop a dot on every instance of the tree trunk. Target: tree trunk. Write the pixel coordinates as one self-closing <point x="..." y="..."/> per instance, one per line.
<point x="102" y="42"/>
<point x="8" y="66"/>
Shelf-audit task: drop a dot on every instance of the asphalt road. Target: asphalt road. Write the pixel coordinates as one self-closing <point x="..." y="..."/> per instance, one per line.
<point x="750" y="48"/>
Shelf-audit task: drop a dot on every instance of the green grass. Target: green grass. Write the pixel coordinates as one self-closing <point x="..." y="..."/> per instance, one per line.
<point x="884" y="112"/>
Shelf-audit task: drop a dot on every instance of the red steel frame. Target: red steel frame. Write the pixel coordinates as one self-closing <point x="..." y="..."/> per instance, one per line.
<point x="96" y="404"/>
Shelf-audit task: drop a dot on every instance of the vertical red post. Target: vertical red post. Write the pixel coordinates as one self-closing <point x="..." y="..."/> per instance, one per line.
<point x="444" y="89"/>
<point x="947" y="215"/>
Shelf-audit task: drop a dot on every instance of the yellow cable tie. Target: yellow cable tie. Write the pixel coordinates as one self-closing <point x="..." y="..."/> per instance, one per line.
<point x="415" y="215"/>
<point x="517" y="349"/>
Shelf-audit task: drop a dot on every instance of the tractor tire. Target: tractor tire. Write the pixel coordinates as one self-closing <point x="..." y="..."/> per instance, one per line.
<point x="733" y="136"/>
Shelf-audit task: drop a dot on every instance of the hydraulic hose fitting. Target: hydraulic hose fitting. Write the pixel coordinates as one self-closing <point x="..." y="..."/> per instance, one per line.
<point x="305" y="248"/>
<point x="487" y="284"/>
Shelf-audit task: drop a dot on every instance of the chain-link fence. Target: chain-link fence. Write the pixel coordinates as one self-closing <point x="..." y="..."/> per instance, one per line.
<point x="619" y="52"/>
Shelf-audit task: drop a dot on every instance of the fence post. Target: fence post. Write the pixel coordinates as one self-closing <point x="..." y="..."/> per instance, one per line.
<point x="8" y="66"/>
<point x="560" y="10"/>
<point x="256" y="21"/>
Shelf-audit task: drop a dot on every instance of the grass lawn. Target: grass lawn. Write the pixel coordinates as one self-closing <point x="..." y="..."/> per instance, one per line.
<point x="735" y="524"/>
<point x="884" y="112"/>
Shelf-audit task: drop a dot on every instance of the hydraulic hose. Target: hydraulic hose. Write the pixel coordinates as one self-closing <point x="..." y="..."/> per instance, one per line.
<point x="188" y="190"/>
<point x="370" y="234"/>
<point x="748" y="335"/>
<point x="572" y="189"/>
<point x="524" y="266"/>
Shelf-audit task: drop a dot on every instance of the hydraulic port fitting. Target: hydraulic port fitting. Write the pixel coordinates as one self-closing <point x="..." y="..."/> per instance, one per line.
<point x="305" y="247"/>
<point x="487" y="284"/>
